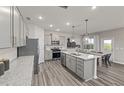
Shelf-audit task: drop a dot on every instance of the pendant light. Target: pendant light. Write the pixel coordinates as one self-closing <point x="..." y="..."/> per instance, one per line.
<point x="86" y="35"/>
<point x="73" y="33"/>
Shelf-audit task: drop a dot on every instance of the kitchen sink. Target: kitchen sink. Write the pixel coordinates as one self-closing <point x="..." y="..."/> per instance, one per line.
<point x="76" y="54"/>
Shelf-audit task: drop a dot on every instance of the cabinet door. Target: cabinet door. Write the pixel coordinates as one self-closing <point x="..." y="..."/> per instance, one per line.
<point x="80" y="68"/>
<point x="68" y="61"/>
<point x="73" y="64"/>
<point x="21" y="31"/>
<point x="25" y="33"/>
<point x="89" y="69"/>
<point x="16" y="27"/>
<point x="62" y="58"/>
<point x="5" y="27"/>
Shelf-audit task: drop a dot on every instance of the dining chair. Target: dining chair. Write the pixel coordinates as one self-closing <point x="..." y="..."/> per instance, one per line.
<point x="107" y="60"/>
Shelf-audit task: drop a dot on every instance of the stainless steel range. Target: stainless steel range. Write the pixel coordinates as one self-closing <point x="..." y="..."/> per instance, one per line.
<point x="56" y="53"/>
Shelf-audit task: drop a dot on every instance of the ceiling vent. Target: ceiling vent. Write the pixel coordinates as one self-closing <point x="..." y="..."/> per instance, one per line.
<point x="64" y="7"/>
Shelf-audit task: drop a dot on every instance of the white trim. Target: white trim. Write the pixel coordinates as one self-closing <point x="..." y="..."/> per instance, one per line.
<point x="118" y="62"/>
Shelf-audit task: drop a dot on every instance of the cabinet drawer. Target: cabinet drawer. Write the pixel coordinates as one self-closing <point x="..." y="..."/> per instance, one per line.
<point x="73" y="58"/>
<point x="80" y="68"/>
<point x="72" y="68"/>
<point x="80" y="60"/>
<point x="80" y="63"/>
<point x="80" y="73"/>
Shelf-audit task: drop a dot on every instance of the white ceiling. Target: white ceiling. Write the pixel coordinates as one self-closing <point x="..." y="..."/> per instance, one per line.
<point x="100" y="19"/>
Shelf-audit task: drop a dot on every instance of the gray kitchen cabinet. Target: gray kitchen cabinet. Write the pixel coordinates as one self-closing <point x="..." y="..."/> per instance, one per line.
<point x="89" y="69"/>
<point x="5" y="27"/>
<point x="63" y="59"/>
<point x="68" y="61"/>
<point x="80" y="67"/>
<point x="73" y="63"/>
<point x="85" y="68"/>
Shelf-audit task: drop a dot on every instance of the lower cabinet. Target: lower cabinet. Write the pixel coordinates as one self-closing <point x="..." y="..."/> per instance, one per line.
<point x="71" y="63"/>
<point x="63" y="59"/>
<point x="68" y="61"/>
<point x="83" y="68"/>
<point x="89" y="69"/>
<point x="80" y="68"/>
<point x="48" y="54"/>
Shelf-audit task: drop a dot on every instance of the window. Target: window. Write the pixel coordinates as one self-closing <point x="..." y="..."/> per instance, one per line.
<point x="88" y="43"/>
<point x="107" y="45"/>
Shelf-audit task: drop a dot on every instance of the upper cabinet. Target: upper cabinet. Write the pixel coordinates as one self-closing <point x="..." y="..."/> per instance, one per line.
<point x="25" y="33"/>
<point x="5" y="27"/>
<point x="12" y="28"/>
<point x="19" y="30"/>
<point x="16" y="27"/>
<point x="47" y="39"/>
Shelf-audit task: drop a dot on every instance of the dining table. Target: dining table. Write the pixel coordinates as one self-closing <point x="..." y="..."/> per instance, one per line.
<point x="98" y="55"/>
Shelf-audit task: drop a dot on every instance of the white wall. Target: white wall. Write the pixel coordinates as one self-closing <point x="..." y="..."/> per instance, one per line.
<point x="56" y="35"/>
<point x="118" y="43"/>
<point x="37" y="32"/>
<point x="9" y="53"/>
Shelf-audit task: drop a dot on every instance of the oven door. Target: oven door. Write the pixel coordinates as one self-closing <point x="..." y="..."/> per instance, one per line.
<point x="56" y="55"/>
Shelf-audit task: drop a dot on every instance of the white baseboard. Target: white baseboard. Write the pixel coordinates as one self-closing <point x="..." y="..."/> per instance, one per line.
<point x="118" y="62"/>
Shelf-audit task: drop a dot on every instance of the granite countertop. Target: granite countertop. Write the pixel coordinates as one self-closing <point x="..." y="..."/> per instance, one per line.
<point x="83" y="56"/>
<point x="20" y="72"/>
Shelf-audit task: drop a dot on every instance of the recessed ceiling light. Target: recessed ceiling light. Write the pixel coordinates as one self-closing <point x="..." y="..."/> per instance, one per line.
<point x="51" y="25"/>
<point x="40" y="17"/>
<point x="57" y="29"/>
<point x="93" y="7"/>
<point x="67" y="23"/>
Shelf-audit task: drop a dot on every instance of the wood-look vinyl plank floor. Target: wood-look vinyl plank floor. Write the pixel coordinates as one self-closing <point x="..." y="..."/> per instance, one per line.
<point x="52" y="73"/>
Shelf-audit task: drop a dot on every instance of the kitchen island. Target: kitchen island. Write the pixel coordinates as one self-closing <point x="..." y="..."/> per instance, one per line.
<point x="83" y="65"/>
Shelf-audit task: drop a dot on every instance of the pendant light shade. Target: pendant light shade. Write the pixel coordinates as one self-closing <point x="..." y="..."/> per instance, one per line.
<point x="73" y="27"/>
<point x="86" y="33"/>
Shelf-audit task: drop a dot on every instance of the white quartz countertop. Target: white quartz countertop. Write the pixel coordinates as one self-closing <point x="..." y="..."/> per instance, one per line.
<point x="20" y="72"/>
<point x="81" y="55"/>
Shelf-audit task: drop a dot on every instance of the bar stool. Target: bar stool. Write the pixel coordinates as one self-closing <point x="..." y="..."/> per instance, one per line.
<point x="2" y="68"/>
